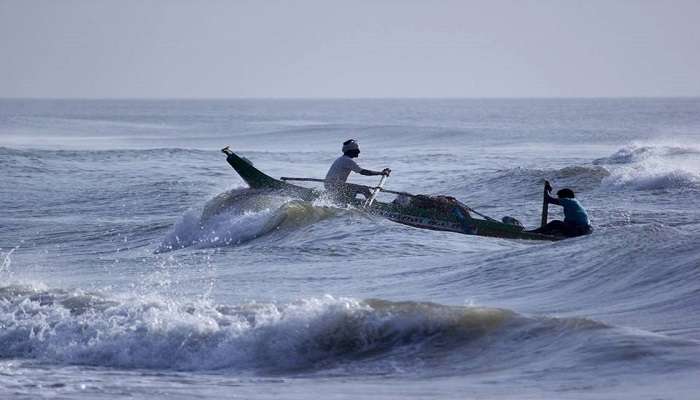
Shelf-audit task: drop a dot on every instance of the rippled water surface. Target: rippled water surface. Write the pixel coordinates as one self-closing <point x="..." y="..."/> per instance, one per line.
<point x="135" y="263"/>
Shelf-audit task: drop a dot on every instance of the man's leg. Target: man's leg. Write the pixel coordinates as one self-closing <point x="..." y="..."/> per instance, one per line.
<point x="555" y="226"/>
<point x="339" y="192"/>
<point x="571" y="230"/>
<point x="353" y="190"/>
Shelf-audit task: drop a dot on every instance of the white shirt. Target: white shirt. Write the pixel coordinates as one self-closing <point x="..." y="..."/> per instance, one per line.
<point x="341" y="168"/>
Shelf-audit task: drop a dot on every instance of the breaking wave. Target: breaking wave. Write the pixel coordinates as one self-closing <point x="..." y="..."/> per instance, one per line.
<point x="654" y="178"/>
<point x="531" y="179"/>
<point x="241" y="215"/>
<point x="653" y="167"/>
<point x="81" y="328"/>
<point x="632" y="167"/>
<point x="633" y="154"/>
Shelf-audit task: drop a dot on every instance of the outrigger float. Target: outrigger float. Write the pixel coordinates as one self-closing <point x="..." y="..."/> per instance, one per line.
<point x="438" y="213"/>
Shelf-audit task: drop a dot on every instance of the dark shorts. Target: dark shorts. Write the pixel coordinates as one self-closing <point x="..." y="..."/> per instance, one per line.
<point x="557" y="227"/>
<point x="345" y="192"/>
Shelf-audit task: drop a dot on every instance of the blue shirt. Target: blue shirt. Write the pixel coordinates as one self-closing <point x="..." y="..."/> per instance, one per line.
<point x="574" y="212"/>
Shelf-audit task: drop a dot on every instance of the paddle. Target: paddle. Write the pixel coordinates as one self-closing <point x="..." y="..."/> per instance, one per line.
<point x="545" y="203"/>
<point x="286" y="178"/>
<point x="376" y="191"/>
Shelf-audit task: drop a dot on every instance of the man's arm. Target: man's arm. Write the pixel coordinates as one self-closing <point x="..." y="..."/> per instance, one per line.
<point x="369" y="172"/>
<point x="547" y="191"/>
<point x="552" y="200"/>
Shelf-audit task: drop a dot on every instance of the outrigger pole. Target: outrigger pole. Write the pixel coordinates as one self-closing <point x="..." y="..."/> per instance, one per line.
<point x="286" y="178"/>
<point x="381" y="189"/>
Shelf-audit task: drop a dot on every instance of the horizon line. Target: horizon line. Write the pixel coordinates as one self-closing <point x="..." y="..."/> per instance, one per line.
<point x="353" y="98"/>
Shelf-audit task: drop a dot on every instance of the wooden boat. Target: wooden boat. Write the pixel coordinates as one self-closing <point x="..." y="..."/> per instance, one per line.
<point x="440" y="216"/>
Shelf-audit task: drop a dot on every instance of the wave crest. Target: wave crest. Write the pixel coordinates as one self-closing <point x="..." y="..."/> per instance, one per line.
<point x="653" y="167"/>
<point x="633" y="154"/>
<point x="241" y="215"/>
<point x="74" y="327"/>
<point x="313" y="334"/>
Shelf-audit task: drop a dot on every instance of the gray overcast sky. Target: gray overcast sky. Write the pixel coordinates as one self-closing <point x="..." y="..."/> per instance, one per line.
<point x="354" y="48"/>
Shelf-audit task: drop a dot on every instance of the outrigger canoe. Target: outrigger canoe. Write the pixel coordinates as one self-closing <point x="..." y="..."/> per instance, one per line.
<point x="458" y="219"/>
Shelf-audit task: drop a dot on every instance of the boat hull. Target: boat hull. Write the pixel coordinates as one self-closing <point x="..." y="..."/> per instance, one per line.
<point x="423" y="218"/>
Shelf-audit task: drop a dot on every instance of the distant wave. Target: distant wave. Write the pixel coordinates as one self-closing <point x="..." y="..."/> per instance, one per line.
<point x="574" y="171"/>
<point x="576" y="176"/>
<point x="654" y="178"/>
<point x="653" y="167"/>
<point x="633" y="154"/>
<point x="73" y="154"/>
<point x="84" y="122"/>
<point x="633" y="167"/>
<point x="76" y="327"/>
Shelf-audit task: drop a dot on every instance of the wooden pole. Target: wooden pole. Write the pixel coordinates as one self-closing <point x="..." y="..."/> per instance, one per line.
<point x="376" y="191"/>
<point x="545" y="205"/>
<point x="379" y="188"/>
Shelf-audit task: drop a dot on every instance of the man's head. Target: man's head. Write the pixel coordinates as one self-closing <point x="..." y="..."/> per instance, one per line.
<point x="565" y="194"/>
<point x="351" y="148"/>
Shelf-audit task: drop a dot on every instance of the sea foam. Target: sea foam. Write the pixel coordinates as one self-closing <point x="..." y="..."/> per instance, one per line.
<point x="653" y="167"/>
<point x="75" y="327"/>
<point x="240" y="215"/>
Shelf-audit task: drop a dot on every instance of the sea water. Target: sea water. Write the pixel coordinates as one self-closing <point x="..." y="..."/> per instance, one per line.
<point x="135" y="263"/>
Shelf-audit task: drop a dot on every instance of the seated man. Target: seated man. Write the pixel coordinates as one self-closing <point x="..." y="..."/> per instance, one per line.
<point x="575" y="222"/>
<point x="340" y="170"/>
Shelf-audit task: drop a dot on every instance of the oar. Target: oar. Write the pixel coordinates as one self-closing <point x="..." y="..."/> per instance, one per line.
<point x="545" y="204"/>
<point x="286" y="178"/>
<point x="376" y="191"/>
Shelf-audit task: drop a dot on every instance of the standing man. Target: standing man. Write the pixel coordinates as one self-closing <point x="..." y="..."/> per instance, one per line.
<point x="337" y="175"/>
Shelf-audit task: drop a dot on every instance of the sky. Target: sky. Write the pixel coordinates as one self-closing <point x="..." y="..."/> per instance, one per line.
<point x="348" y="49"/>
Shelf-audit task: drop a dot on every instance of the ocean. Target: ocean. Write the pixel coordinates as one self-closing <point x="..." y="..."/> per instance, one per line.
<point x="115" y="281"/>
